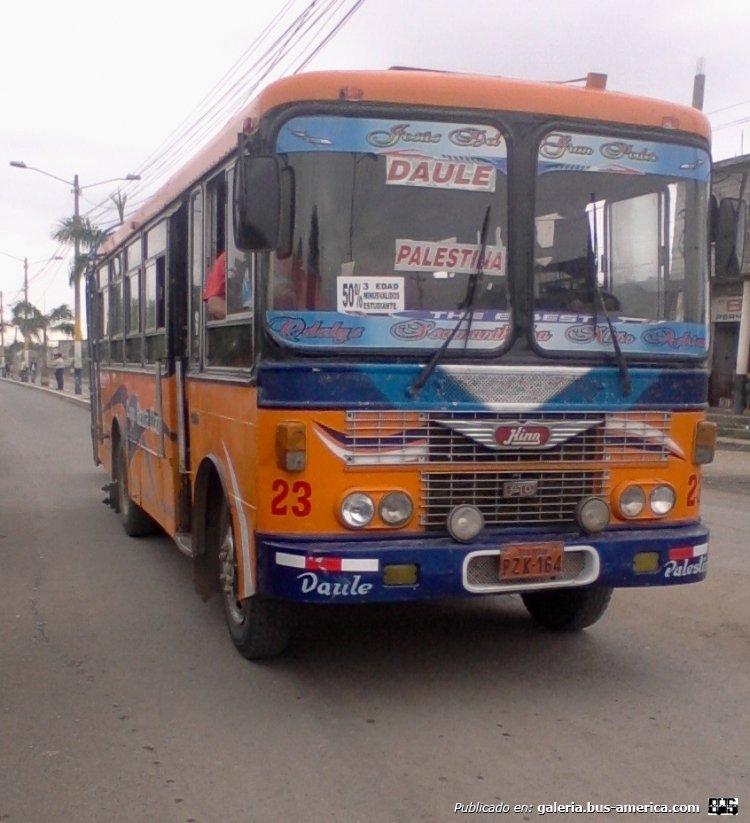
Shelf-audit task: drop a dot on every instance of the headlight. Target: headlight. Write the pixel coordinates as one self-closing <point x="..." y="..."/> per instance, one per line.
<point x="357" y="510"/>
<point x="593" y="515"/>
<point x="395" y="508"/>
<point x="464" y="523"/>
<point x="632" y="501"/>
<point x="662" y="500"/>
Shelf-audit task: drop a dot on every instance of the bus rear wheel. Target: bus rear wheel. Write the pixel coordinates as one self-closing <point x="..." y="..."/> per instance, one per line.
<point x="259" y="627"/>
<point x="567" y="609"/>
<point x="135" y="521"/>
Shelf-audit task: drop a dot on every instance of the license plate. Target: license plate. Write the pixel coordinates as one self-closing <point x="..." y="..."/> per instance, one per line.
<point x="523" y="561"/>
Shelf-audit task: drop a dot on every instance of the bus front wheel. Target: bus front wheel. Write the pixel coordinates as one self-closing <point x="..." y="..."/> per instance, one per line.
<point x="258" y="626"/>
<point x="567" y="609"/>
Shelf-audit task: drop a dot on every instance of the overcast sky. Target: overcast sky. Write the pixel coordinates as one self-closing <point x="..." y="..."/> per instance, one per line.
<point x="97" y="89"/>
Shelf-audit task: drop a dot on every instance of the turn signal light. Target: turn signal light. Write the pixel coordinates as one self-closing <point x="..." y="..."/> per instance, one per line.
<point x="705" y="443"/>
<point x="291" y="446"/>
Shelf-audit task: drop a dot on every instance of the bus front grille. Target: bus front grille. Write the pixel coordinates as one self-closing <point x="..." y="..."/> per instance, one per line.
<point x="509" y="498"/>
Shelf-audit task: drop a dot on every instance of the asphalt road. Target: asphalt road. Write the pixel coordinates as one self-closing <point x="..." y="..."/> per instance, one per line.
<point x="123" y="699"/>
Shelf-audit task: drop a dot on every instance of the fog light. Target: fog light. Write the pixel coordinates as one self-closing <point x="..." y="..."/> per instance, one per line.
<point x="662" y="500"/>
<point x="357" y="510"/>
<point x="593" y="514"/>
<point x="646" y="562"/>
<point x="464" y="523"/>
<point x="401" y="574"/>
<point x="632" y="501"/>
<point x="396" y="508"/>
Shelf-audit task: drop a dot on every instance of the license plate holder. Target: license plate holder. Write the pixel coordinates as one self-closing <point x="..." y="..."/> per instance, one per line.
<point x="531" y="561"/>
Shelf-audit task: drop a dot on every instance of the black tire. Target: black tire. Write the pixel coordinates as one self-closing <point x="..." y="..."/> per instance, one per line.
<point x="567" y="610"/>
<point x="259" y="627"/>
<point x="135" y="521"/>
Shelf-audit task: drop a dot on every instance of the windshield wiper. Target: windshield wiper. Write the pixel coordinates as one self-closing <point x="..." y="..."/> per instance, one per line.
<point x="467" y="305"/>
<point x="622" y="363"/>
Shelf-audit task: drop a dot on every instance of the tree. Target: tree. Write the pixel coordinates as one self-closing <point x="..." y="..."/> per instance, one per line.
<point x="85" y="237"/>
<point x="120" y="199"/>
<point x="34" y="324"/>
<point x="28" y="320"/>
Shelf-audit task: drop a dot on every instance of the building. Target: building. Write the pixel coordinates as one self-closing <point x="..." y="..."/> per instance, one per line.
<point x="730" y="269"/>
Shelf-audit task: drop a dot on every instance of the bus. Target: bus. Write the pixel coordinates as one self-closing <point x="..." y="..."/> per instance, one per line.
<point x="461" y="348"/>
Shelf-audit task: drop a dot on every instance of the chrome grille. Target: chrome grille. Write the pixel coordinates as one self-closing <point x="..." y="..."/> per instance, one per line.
<point x="509" y="498"/>
<point x="393" y="437"/>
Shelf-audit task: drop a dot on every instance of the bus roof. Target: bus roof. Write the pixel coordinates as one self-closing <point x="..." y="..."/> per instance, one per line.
<point x="423" y="88"/>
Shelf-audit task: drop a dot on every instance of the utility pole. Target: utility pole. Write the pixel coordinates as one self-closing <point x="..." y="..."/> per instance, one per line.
<point x="78" y="335"/>
<point x="26" y="312"/>
<point x="699" y="84"/>
<point x="2" y="336"/>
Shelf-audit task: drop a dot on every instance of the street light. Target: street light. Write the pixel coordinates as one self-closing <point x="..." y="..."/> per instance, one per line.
<point x="77" y="189"/>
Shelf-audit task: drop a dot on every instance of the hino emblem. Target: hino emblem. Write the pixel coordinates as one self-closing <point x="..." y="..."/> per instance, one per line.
<point x="534" y="437"/>
<point x="519" y="435"/>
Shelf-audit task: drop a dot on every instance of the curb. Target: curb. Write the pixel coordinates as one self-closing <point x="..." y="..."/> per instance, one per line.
<point x="83" y="400"/>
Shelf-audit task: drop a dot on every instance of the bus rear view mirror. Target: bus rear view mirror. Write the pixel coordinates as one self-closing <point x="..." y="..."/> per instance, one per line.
<point x="730" y="236"/>
<point x="262" y="205"/>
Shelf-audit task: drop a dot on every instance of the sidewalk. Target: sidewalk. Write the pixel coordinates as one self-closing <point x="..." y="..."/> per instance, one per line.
<point x="67" y="393"/>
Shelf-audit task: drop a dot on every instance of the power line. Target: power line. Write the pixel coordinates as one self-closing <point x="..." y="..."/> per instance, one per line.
<point x="289" y="51"/>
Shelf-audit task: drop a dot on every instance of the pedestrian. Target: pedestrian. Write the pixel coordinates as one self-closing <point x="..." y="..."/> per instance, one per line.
<point x="59" y="364"/>
<point x="33" y="371"/>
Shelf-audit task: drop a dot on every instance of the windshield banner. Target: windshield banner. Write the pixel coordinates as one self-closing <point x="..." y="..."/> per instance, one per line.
<point x="455" y="141"/>
<point x="488" y="330"/>
<point x="567" y="151"/>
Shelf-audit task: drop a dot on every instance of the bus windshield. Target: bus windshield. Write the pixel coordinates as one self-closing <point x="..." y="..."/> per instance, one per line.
<point x="620" y="229"/>
<point x="388" y="217"/>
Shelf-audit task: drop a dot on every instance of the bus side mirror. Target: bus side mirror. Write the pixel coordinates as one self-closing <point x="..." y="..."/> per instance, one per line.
<point x="730" y="237"/>
<point x="262" y="205"/>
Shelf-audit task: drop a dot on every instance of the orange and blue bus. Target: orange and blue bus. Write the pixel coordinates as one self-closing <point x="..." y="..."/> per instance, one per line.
<point x="462" y="349"/>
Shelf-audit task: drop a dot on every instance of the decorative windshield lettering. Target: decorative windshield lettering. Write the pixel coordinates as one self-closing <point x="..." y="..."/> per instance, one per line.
<point x="295" y="329"/>
<point x="556" y="145"/>
<point x="597" y="334"/>
<point x="667" y="337"/>
<point x="413" y="330"/>
<point x="476" y="137"/>
<point x="619" y="150"/>
<point x="401" y="134"/>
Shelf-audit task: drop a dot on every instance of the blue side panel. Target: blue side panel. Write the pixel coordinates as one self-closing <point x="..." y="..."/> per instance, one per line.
<point x="556" y="388"/>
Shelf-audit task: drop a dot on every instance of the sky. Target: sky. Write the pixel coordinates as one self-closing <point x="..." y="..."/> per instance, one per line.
<point x="103" y="90"/>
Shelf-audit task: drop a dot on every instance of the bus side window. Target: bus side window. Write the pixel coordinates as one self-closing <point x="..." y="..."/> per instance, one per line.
<point x="228" y="286"/>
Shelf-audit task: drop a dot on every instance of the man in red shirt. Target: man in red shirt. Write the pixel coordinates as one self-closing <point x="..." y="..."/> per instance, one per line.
<point x="215" y="291"/>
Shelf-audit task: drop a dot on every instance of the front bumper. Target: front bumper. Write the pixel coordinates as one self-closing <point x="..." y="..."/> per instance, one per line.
<point x="347" y="570"/>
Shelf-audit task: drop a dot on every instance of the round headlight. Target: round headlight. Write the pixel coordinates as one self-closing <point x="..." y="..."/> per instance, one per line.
<point x="662" y="500"/>
<point x="593" y="514"/>
<point x="632" y="501"/>
<point x="464" y="523"/>
<point x="357" y="510"/>
<point x="395" y="508"/>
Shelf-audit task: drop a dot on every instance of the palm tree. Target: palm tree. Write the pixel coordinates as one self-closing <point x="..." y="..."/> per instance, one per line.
<point x="27" y="319"/>
<point x="34" y="324"/>
<point x="85" y="237"/>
